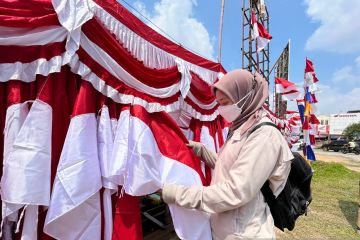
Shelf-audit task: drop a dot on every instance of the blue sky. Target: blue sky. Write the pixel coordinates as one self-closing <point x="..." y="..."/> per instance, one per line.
<point x="325" y="31"/>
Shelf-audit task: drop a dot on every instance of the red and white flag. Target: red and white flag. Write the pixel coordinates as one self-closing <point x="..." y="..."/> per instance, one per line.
<point x="76" y="189"/>
<point x="282" y="85"/>
<point x="310" y="76"/>
<point x="150" y="150"/>
<point x="27" y="161"/>
<point x="260" y="33"/>
<point x="289" y="90"/>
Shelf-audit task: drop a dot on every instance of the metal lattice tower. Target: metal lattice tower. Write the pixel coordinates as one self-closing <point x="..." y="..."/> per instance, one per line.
<point x="248" y="44"/>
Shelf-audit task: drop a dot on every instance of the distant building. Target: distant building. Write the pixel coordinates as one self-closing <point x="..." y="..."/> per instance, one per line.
<point x="338" y="122"/>
<point x="323" y="127"/>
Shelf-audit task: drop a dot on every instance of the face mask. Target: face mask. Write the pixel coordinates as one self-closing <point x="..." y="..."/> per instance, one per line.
<point x="232" y="112"/>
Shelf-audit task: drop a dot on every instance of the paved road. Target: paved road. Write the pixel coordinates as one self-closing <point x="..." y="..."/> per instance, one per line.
<point x="350" y="156"/>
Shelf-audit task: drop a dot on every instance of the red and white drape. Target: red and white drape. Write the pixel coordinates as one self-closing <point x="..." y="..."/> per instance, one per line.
<point x="86" y="95"/>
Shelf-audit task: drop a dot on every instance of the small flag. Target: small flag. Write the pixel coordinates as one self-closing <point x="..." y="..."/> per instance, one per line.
<point x="260" y="33"/>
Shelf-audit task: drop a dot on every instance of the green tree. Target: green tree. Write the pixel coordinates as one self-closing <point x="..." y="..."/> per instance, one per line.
<point x="352" y="131"/>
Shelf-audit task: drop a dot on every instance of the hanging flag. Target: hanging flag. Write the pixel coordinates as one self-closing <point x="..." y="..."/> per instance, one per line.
<point x="283" y="85"/>
<point x="76" y="188"/>
<point x="301" y="107"/>
<point x="310" y="155"/>
<point x="289" y="90"/>
<point x="260" y="33"/>
<point x="292" y="112"/>
<point x="310" y="78"/>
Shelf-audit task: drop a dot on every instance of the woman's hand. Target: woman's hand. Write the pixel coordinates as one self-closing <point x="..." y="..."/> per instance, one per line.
<point x="207" y="156"/>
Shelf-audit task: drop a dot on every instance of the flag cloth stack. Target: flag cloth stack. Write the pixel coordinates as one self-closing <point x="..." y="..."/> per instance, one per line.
<point x="288" y="90"/>
<point x="307" y="109"/>
<point x="260" y="33"/>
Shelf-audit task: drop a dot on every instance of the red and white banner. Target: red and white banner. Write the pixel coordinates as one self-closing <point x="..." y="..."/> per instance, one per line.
<point x="85" y="53"/>
<point x="288" y="90"/>
<point x="260" y="33"/>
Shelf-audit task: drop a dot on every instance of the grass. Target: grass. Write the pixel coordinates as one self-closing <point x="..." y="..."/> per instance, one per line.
<point x="333" y="211"/>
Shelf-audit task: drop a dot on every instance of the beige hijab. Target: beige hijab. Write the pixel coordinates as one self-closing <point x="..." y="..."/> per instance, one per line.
<point x="236" y="84"/>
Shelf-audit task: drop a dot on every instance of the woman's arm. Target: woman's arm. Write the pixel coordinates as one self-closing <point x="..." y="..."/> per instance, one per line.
<point x="249" y="172"/>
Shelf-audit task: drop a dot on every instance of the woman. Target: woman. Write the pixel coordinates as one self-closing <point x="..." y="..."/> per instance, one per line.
<point x="244" y="163"/>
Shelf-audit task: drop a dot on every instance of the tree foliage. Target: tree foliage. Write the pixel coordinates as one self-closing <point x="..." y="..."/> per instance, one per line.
<point x="352" y="131"/>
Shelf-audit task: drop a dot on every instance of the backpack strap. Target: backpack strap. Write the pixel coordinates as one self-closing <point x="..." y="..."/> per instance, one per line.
<point x="260" y="125"/>
<point x="265" y="189"/>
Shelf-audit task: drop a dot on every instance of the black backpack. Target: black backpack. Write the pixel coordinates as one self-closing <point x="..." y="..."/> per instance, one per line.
<point x="295" y="198"/>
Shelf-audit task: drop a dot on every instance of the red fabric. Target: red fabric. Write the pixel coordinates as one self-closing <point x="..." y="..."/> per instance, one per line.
<point x="26" y="54"/>
<point x="285" y="83"/>
<point x="157" y="78"/>
<point x="261" y="29"/>
<point x="201" y="90"/>
<point x="29" y="13"/>
<point x="314" y="99"/>
<point x="199" y="109"/>
<point x="59" y="91"/>
<point x="289" y="92"/>
<point x="127" y="221"/>
<point x="118" y="84"/>
<point x="215" y="129"/>
<point x="315" y="79"/>
<point x="169" y="138"/>
<point x="313" y="119"/>
<point x="309" y="66"/>
<point x="86" y="100"/>
<point x="131" y="21"/>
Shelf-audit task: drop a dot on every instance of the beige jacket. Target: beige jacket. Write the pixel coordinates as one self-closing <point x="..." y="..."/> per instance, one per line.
<point x="234" y="199"/>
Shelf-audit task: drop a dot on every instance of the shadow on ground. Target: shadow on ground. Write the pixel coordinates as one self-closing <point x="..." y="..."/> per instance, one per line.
<point x="349" y="209"/>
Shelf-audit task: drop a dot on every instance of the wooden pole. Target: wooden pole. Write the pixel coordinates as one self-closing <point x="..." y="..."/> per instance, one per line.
<point x="358" y="215"/>
<point x="221" y="29"/>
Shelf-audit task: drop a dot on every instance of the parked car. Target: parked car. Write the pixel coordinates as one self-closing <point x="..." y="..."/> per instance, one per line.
<point x="335" y="145"/>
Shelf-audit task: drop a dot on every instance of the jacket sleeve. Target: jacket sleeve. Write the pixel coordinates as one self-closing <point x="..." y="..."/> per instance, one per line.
<point x="255" y="163"/>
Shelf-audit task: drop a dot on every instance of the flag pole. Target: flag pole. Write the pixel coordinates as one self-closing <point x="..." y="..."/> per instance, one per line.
<point x="221" y="29"/>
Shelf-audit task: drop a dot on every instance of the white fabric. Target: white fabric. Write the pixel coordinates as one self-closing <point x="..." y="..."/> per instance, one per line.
<point x="15" y="117"/>
<point x="291" y="96"/>
<point x="30" y="227"/>
<point x="27" y="72"/>
<point x="141" y="168"/>
<point x="100" y="85"/>
<point x="195" y="114"/>
<point x="145" y="51"/>
<point x="281" y="89"/>
<point x="261" y="43"/>
<point x="77" y="184"/>
<point x="208" y="141"/>
<point x="185" y="76"/>
<point x="72" y="14"/>
<point x="197" y="102"/>
<point x="107" y="215"/>
<point x="105" y="146"/>
<point x="32" y="36"/>
<point x="101" y="57"/>
<point x="27" y="168"/>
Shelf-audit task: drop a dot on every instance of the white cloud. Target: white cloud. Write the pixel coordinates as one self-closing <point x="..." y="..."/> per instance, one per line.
<point x="348" y="74"/>
<point x="339" y="25"/>
<point x="332" y="100"/>
<point x="176" y="19"/>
